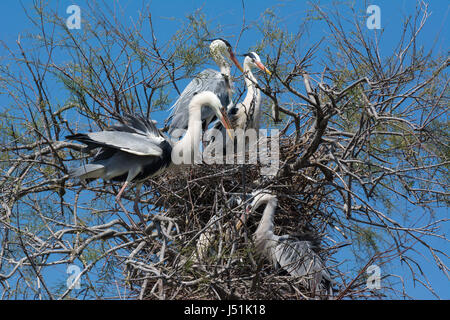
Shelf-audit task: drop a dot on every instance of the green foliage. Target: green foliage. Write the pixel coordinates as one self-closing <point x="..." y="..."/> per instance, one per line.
<point x="366" y="241"/>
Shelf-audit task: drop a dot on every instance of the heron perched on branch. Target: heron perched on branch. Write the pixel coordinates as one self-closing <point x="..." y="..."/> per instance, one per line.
<point x="218" y="82"/>
<point x="137" y="150"/>
<point x="295" y="256"/>
<point x="247" y="114"/>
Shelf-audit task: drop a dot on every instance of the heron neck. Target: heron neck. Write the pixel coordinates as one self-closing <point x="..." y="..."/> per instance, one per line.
<point x="191" y="138"/>
<point x="252" y="91"/>
<point x="253" y="97"/>
<point x="250" y="79"/>
<point x="223" y="65"/>
<point x="225" y="68"/>
<point x="265" y="226"/>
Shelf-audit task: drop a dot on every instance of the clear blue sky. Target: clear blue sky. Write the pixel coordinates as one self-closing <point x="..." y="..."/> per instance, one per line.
<point x="229" y="15"/>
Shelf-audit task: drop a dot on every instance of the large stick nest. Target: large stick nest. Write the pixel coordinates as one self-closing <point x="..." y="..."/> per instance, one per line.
<point x="191" y="196"/>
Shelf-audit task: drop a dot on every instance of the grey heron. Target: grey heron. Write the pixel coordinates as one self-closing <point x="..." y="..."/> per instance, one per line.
<point x="137" y="150"/>
<point x="295" y="256"/>
<point x="246" y="114"/>
<point x="218" y="82"/>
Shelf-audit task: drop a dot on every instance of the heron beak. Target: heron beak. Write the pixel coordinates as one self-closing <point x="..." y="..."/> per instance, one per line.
<point x="263" y="68"/>
<point x="226" y="122"/>
<point x="235" y="61"/>
<point x="243" y="217"/>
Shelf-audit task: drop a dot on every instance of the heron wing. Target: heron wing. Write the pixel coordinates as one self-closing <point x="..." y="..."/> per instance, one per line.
<point x="137" y="124"/>
<point x="129" y="142"/>
<point x="297" y="257"/>
<point x="136" y="135"/>
<point x="207" y="80"/>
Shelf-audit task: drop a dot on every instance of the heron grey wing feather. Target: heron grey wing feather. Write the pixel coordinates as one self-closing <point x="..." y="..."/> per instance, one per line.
<point x="297" y="257"/>
<point x="299" y="260"/>
<point x="137" y="124"/>
<point x="142" y="145"/>
<point x="207" y="80"/>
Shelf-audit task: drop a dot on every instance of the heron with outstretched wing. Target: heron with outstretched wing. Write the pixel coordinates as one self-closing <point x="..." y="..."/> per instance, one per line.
<point x="136" y="150"/>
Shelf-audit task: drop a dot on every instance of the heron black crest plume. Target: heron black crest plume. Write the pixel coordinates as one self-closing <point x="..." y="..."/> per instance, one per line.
<point x="222" y="39"/>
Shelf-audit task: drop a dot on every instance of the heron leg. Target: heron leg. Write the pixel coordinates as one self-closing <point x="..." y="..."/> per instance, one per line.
<point x="119" y="201"/>
<point x="136" y="201"/>
<point x="119" y="195"/>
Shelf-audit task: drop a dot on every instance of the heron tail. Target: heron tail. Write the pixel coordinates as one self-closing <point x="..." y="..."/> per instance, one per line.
<point x="84" y="138"/>
<point x="89" y="171"/>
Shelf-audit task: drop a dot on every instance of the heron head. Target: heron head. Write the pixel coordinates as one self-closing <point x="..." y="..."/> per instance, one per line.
<point x="210" y="99"/>
<point x="260" y="197"/>
<point x="220" y="49"/>
<point x="253" y="59"/>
